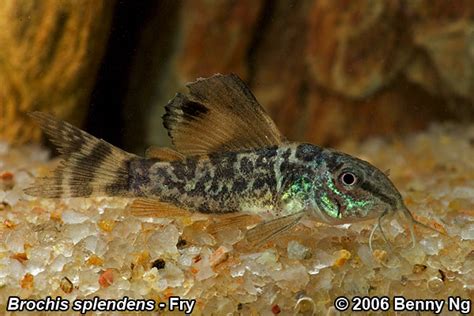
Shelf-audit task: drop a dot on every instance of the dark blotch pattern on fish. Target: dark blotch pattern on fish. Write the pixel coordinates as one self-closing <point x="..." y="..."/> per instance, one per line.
<point x="246" y="165"/>
<point x="239" y="185"/>
<point x="139" y="179"/>
<point x="194" y="109"/>
<point x="120" y="185"/>
<point x="223" y="164"/>
<point x="184" y="171"/>
<point x="307" y="152"/>
<point x="200" y="186"/>
<point x="285" y="164"/>
<point x="263" y="156"/>
<point x="218" y="182"/>
<point x="85" y="168"/>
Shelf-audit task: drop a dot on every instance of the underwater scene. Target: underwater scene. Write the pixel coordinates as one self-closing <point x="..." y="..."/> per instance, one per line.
<point x="164" y="157"/>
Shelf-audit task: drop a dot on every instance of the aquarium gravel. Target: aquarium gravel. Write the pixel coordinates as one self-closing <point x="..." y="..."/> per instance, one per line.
<point x="72" y="250"/>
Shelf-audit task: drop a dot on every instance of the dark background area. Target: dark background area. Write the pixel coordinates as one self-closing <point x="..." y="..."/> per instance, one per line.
<point x="105" y="114"/>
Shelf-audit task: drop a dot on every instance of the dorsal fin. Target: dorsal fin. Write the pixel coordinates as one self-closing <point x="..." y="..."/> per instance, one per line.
<point x="219" y="114"/>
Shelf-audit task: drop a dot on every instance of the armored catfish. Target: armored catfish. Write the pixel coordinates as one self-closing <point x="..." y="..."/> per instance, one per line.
<point x="229" y="157"/>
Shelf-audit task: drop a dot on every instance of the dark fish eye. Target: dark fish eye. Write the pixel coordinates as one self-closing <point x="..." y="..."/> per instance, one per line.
<point x="348" y="178"/>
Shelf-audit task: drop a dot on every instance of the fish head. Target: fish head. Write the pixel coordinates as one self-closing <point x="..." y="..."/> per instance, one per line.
<point x="350" y="190"/>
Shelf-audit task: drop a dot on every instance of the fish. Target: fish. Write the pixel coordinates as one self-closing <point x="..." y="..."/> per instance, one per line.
<point x="228" y="158"/>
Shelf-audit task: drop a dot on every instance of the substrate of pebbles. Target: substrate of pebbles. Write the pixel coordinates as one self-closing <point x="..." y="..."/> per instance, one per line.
<point x="82" y="248"/>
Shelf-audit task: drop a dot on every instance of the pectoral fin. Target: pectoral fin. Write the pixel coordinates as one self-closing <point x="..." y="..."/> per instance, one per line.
<point x="226" y="221"/>
<point x="154" y="208"/>
<point x="268" y="230"/>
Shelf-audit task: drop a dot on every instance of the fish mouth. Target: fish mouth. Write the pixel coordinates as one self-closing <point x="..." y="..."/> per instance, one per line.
<point x="324" y="217"/>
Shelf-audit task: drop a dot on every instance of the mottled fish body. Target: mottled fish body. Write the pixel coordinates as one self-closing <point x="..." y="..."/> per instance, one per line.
<point x="252" y="181"/>
<point x="229" y="157"/>
<point x="265" y="181"/>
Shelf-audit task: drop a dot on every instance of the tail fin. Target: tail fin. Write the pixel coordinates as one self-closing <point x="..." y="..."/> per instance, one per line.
<point x="90" y="166"/>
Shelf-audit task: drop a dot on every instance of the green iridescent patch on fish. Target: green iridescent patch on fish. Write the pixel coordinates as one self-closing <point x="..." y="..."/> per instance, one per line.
<point x="296" y="197"/>
<point x="299" y="188"/>
<point x="332" y="209"/>
<point x="353" y="204"/>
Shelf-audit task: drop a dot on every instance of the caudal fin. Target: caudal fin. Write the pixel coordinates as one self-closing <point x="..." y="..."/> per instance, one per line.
<point x="90" y="166"/>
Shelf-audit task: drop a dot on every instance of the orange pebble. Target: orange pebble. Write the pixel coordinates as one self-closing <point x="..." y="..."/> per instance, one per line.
<point x="56" y="216"/>
<point x="95" y="261"/>
<point x="106" y="278"/>
<point x="27" y="282"/>
<point x="9" y="224"/>
<point x="6" y="176"/>
<point x="106" y="225"/>
<point x="276" y="309"/>
<point x="20" y="256"/>
<point x="344" y="255"/>
<point x="168" y="292"/>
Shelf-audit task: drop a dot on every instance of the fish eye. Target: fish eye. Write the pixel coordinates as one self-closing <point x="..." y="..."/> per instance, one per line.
<point x="348" y="178"/>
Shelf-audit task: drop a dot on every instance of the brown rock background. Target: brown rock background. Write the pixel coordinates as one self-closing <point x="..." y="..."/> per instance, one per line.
<point x="326" y="70"/>
<point x="50" y="52"/>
